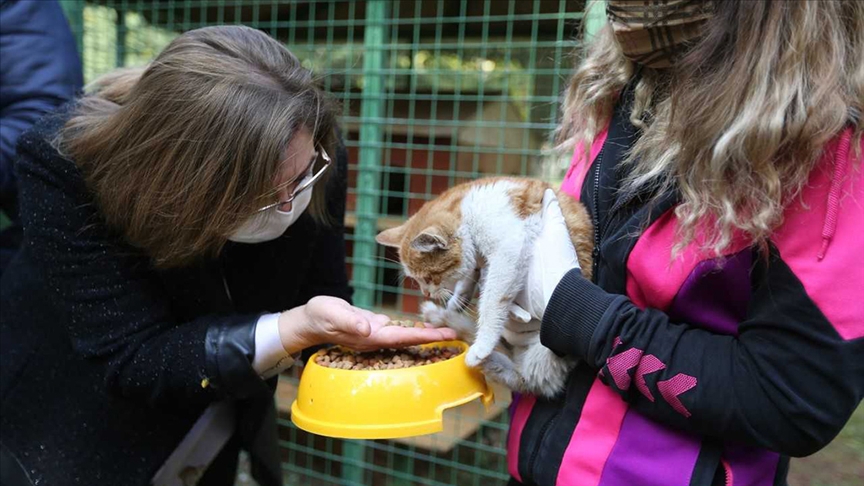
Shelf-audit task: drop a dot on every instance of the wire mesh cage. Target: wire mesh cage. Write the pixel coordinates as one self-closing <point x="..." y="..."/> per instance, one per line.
<point x="432" y="92"/>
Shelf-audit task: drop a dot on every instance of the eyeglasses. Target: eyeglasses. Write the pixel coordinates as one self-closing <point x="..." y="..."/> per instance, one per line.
<point x="306" y="181"/>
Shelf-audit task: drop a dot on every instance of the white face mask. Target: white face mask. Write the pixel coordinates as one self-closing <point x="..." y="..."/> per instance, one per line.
<point x="272" y="223"/>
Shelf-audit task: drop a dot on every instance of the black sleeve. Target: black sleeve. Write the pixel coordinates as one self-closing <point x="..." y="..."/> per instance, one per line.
<point x="788" y="382"/>
<point x="118" y="314"/>
<point x="328" y="274"/>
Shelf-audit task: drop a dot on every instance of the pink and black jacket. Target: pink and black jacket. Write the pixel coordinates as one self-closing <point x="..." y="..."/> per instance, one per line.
<point x="711" y="370"/>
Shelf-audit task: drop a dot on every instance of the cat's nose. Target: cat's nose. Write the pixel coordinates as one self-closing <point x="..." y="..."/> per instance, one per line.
<point x="426" y="293"/>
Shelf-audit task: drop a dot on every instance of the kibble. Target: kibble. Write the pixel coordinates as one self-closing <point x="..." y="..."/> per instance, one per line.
<point x="385" y="359"/>
<point x="405" y="323"/>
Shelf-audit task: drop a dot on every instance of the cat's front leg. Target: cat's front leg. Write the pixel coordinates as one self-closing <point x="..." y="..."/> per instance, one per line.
<point x="439" y="316"/>
<point x="502" y="282"/>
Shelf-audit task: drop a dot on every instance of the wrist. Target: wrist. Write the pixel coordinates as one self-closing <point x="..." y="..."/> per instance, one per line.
<point x="291" y="325"/>
<point x="575" y="311"/>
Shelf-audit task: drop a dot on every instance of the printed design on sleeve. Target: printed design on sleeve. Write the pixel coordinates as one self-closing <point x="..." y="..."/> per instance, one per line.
<point x="673" y="387"/>
<point x="620" y="364"/>
<point x="648" y="365"/>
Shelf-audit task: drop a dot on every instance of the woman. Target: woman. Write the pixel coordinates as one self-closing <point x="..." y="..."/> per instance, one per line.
<point x="128" y="312"/>
<point x="722" y="168"/>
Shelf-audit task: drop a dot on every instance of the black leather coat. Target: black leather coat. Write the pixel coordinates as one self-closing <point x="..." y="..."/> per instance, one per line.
<point x="103" y="357"/>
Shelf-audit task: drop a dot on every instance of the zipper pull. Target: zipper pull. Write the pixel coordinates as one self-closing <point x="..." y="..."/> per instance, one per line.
<point x="595" y="262"/>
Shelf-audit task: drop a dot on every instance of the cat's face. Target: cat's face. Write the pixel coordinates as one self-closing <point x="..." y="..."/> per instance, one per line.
<point x="430" y="253"/>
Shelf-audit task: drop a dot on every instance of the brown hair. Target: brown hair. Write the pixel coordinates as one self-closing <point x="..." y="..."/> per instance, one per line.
<point x="740" y="122"/>
<point x="179" y="154"/>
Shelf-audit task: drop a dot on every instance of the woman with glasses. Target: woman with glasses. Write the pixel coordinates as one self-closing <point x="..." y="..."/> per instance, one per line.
<point x="183" y="244"/>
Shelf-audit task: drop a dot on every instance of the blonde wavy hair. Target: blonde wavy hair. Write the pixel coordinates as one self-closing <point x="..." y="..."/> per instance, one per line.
<point x="739" y="123"/>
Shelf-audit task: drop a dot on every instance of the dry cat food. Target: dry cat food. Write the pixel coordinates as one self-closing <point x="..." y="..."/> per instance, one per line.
<point x="386" y="359"/>
<point x="405" y="323"/>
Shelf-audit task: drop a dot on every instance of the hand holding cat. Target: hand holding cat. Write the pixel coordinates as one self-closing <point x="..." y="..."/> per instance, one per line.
<point x="328" y="320"/>
<point x="551" y="258"/>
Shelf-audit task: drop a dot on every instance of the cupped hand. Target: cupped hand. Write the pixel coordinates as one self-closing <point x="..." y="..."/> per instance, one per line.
<point x="329" y="320"/>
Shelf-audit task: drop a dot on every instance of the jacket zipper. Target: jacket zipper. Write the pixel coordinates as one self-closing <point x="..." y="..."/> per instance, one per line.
<point x="600" y="231"/>
<point x="727" y="470"/>
<point x="595" y="254"/>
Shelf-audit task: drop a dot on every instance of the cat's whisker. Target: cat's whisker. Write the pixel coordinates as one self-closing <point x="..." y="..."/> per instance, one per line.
<point x="469" y="307"/>
<point x="389" y="260"/>
<point x="447" y="296"/>
<point x="463" y="304"/>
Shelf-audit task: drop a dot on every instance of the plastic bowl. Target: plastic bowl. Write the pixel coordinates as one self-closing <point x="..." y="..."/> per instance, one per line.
<point x="385" y="404"/>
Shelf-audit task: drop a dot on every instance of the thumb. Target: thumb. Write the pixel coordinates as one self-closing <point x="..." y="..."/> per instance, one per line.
<point x="362" y="327"/>
<point x="551" y="208"/>
<point x="360" y="323"/>
<point x="347" y="320"/>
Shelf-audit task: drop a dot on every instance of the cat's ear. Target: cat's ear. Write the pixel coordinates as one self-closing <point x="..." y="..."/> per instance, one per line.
<point x="429" y="240"/>
<point x="391" y="237"/>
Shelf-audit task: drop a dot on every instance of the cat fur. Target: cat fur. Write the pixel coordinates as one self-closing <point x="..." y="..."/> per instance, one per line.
<point x="481" y="234"/>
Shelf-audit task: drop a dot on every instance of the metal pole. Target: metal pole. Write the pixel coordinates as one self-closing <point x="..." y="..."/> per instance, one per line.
<point x="595" y="18"/>
<point x="368" y="192"/>
<point x="369" y="170"/>
<point x="120" y="47"/>
<point x="74" y="10"/>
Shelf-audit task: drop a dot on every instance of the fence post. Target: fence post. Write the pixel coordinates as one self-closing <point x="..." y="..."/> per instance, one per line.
<point x="74" y="10"/>
<point x="595" y="18"/>
<point x="369" y="165"/>
<point x="120" y="46"/>
<point x="368" y="190"/>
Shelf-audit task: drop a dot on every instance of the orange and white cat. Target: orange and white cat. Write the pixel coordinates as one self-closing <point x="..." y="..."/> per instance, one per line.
<point x="481" y="233"/>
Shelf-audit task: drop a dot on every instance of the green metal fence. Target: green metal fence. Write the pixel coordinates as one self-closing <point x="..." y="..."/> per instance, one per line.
<point x="433" y="92"/>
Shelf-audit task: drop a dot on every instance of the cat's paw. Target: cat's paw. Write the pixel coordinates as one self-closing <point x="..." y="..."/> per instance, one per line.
<point x="476" y="355"/>
<point x="433" y="314"/>
<point x="544" y="372"/>
<point x="498" y="367"/>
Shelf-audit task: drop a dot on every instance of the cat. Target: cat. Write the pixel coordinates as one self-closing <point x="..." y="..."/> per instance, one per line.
<point x="481" y="233"/>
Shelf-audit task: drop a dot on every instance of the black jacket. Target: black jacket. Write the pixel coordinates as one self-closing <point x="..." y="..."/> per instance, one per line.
<point x="41" y="71"/>
<point x="103" y="356"/>
<point x="710" y="369"/>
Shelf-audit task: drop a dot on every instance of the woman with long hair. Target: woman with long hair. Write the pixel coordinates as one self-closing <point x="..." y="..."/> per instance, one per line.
<point x="170" y="268"/>
<point x="718" y="147"/>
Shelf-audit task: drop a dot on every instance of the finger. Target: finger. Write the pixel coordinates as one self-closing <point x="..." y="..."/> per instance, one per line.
<point x="549" y="197"/>
<point x="347" y="320"/>
<point x="517" y="313"/>
<point x="372" y="317"/>
<point x="373" y="321"/>
<point x="551" y="207"/>
<point x="363" y="328"/>
<point x="397" y="337"/>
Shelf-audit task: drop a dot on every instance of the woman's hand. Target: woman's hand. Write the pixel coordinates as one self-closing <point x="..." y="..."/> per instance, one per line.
<point x="328" y="320"/>
<point x="552" y="256"/>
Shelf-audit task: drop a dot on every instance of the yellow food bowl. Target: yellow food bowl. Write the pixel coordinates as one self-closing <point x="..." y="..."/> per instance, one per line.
<point x="385" y="404"/>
